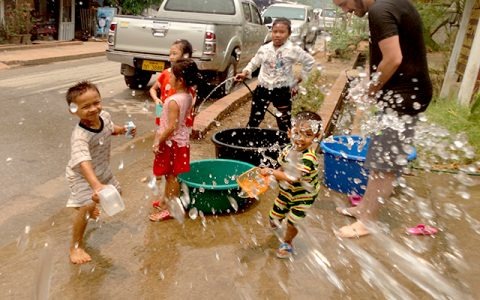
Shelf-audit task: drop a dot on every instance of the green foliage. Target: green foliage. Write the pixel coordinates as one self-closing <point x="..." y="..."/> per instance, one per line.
<point x="3" y="34"/>
<point x="456" y="118"/>
<point x="475" y="109"/>
<point x="135" y="7"/>
<point x="310" y="96"/>
<point x="18" y="19"/>
<point x="436" y="14"/>
<point x="346" y="35"/>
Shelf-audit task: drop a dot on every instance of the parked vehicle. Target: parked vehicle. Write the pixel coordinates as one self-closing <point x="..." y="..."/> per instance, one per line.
<point x="304" y="27"/>
<point x="328" y="19"/>
<point x="225" y="35"/>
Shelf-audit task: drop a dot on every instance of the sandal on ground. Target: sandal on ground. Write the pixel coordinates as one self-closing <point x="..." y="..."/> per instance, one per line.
<point x="162" y="215"/>
<point x="159" y="205"/>
<point x="422" y="229"/>
<point x="354" y="199"/>
<point x="285" y="250"/>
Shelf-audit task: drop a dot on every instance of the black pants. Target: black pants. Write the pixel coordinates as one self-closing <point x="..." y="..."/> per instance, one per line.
<point x="282" y="101"/>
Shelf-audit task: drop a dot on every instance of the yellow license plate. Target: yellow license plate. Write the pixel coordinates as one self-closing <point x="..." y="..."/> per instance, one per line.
<point x="151" y="65"/>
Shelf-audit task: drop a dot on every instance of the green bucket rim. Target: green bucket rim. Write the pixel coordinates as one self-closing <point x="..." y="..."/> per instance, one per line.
<point x="229" y="186"/>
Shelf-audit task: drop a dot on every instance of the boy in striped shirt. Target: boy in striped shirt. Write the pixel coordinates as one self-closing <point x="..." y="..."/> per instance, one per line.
<point x="298" y="177"/>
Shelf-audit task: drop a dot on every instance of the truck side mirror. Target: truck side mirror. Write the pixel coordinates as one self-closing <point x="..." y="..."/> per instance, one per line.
<point x="267" y="20"/>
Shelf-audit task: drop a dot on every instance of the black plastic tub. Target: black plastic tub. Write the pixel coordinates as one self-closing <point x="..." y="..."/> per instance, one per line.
<point x="253" y="145"/>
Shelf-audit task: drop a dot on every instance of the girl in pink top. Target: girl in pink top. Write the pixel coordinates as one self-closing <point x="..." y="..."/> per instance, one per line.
<point x="171" y="144"/>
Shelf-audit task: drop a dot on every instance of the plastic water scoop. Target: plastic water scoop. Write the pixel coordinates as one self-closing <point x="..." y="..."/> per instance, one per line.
<point x="253" y="183"/>
<point x="110" y="200"/>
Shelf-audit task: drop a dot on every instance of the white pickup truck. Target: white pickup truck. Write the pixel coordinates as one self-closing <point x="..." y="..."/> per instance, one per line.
<point x="225" y="35"/>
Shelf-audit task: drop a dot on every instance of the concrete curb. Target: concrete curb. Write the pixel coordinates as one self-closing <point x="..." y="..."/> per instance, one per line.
<point x="39" y="61"/>
<point x="333" y="100"/>
<point x="10" y="47"/>
<point x="206" y="119"/>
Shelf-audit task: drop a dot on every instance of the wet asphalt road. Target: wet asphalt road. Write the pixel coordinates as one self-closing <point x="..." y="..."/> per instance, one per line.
<point x="37" y="127"/>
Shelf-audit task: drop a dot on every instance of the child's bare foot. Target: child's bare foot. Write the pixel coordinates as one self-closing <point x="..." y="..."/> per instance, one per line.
<point x="79" y="256"/>
<point x="354" y="230"/>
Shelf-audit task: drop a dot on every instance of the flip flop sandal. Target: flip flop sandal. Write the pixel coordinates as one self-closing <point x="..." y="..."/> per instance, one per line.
<point x="160" y="216"/>
<point x="284" y="251"/>
<point x="354" y="199"/>
<point x="422" y="229"/>
<point x="156" y="205"/>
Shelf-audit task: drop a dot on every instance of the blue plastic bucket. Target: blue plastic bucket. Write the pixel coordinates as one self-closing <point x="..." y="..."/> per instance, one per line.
<point x="343" y="162"/>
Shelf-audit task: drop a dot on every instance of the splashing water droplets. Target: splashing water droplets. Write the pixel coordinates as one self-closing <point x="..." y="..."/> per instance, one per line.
<point x="193" y="213"/>
<point x="146" y="106"/>
<point x="73" y="107"/>
<point x="152" y="183"/>
<point x="452" y="210"/>
<point x="233" y="202"/>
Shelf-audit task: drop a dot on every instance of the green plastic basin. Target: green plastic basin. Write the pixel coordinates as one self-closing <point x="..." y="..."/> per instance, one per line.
<point x="212" y="181"/>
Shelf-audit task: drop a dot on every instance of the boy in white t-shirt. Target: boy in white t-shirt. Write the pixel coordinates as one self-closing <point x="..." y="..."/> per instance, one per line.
<point x="88" y="170"/>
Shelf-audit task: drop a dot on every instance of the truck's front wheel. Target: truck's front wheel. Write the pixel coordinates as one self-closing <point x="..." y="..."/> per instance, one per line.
<point x="139" y="80"/>
<point x="229" y="72"/>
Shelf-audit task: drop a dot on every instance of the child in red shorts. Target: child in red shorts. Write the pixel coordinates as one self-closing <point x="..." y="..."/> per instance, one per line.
<point x="179" y="49"/>
<point x="171" y="144"/>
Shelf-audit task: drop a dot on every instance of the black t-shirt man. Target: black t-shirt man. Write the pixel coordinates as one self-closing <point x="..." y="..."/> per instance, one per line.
<point x="409" y="90"/>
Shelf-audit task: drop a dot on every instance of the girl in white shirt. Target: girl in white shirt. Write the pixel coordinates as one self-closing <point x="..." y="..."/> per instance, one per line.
<point x="276" y="78"/>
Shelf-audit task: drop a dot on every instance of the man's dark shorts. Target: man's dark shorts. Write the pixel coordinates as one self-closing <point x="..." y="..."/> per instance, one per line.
<point x="392" y="144"/>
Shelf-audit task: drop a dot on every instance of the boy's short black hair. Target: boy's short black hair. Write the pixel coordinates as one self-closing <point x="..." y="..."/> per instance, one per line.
<point x="80" y="89"/>
<point x="186" y="69"/>
<point x="284" y="21"/>
<point x="308" y="116"/>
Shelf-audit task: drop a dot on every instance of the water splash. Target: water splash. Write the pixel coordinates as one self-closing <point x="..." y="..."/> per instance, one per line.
<point x="44" y="274"/>
<point x="193" y="213"/>
<point x="176" y="209"/>
<point x="417" y="270"/>
<point x="229" y="79"/>
<point x="73" y="107"/>
<point x="233" y="202"/>
<point x="24" y="239"/>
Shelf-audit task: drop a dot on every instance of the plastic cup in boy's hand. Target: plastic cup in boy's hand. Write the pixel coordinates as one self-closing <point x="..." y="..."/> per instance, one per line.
<point x="110" y="200"/>
<point x="130" y="129"/>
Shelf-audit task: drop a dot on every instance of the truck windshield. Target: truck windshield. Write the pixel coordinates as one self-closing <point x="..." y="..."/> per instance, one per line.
<point x="286" y="12"/>
<point x="329" y="13"/>
<point x="222" y="7"/>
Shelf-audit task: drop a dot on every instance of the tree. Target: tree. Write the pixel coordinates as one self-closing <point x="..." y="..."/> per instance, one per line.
<point x="437" y="15"/>
<point x="134" y="7"/>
